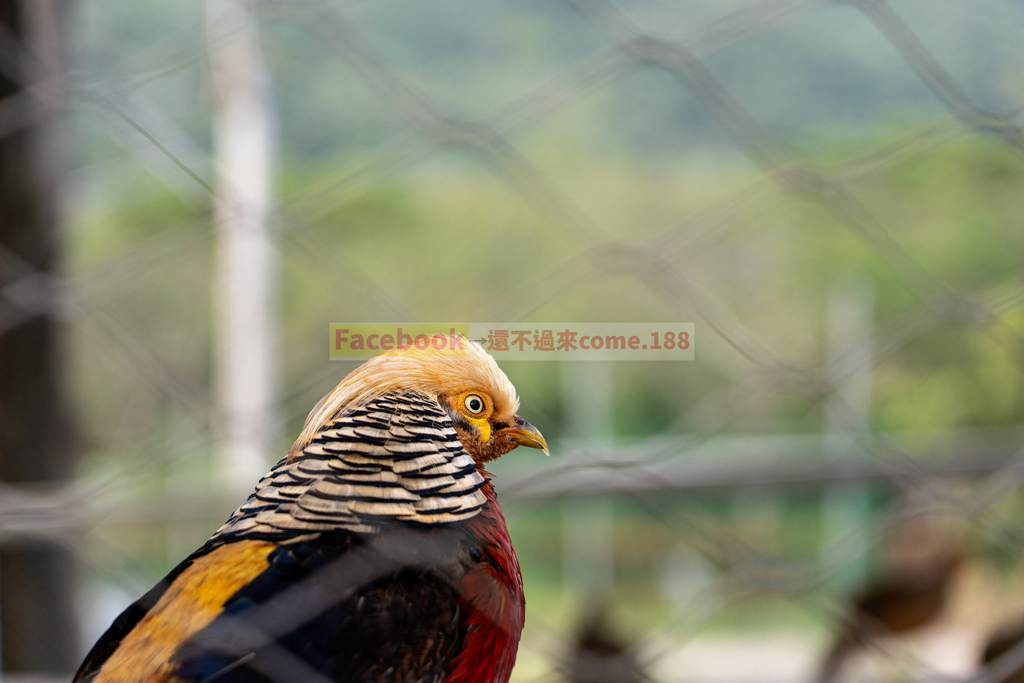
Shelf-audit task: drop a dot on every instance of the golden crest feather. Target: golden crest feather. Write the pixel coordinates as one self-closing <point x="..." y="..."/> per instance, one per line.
<point x="436" y="372"/>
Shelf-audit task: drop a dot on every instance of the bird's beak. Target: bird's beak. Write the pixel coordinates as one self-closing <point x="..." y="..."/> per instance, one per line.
<point x="525" y="434"/>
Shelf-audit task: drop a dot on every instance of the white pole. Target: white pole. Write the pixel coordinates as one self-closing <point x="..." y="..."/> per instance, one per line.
<point x="588" y="522"/>
<point x="849" y="368"/>
<point x="245" y="377"/>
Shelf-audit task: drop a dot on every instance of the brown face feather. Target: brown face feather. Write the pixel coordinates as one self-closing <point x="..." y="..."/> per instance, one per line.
<point x="484" y="445"/>
<point x="501" y="442"/>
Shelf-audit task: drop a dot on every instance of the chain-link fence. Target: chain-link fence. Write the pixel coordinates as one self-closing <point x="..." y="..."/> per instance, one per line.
<point x="830" y="191"/>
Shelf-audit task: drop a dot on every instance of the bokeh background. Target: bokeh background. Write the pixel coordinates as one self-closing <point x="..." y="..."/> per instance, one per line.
<point x="833" y="192"/>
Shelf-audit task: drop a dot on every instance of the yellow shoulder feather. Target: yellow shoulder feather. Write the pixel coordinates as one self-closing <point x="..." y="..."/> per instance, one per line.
<point x="189" y="604"/>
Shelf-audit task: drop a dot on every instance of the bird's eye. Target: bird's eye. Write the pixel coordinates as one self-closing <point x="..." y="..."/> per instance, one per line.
<point x="474" y="404"/>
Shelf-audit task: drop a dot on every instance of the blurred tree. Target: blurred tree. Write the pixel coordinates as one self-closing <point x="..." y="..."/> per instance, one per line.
<point x="37" y="576"/>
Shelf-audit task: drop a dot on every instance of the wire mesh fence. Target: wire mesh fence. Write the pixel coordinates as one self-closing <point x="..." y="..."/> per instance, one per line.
<point x="830" y="191"/>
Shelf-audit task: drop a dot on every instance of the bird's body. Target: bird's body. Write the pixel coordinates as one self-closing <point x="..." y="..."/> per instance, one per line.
<point x="896" y="603"/>
<point x="376" y="551"/>
<point x="1005" y="643"/>
<point x="598" y="655"/>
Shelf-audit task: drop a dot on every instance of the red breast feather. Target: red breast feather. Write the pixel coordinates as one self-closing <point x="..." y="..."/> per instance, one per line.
<point x="493" y="600"/>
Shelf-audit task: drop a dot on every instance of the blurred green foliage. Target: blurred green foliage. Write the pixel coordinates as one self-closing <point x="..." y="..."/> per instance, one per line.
<point x="451" y="243"/>
<point x="447" y="237"/>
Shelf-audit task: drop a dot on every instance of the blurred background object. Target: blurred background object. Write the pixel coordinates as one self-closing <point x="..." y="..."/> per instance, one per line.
<point x="902" y="599"/>
<point x="1004" y="654"/>
<point x="599" y="655"/>
<point x="190" y="192"/>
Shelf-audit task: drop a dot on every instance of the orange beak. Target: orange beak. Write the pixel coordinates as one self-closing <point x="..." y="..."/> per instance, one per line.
<point x="525" y="434"/>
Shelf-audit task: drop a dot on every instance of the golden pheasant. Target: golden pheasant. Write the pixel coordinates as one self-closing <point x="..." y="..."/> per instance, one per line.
<point x="375" y="551"/>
